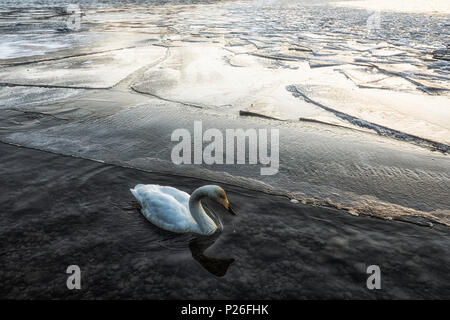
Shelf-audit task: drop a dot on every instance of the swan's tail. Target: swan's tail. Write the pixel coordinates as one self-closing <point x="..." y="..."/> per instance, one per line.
<point x="136" y="193"/>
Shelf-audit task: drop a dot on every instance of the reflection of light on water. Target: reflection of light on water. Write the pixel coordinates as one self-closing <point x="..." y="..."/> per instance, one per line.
<point x="32" y="44"/>
<point x="417" y="6"/>
<point x="16" y="46"/>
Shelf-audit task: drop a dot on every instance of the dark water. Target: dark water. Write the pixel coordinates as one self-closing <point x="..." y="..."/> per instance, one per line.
<point x="57" y="211"/>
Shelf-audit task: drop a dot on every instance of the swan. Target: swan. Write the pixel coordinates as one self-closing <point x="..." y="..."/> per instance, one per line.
<point x="174" y="210"/>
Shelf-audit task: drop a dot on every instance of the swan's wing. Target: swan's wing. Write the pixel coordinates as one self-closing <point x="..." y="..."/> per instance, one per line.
<point x="178" y="195"/>
<point x="166" y="207"/>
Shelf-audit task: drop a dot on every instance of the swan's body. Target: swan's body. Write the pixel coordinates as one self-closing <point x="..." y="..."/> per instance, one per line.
<point x="176" y="211"/>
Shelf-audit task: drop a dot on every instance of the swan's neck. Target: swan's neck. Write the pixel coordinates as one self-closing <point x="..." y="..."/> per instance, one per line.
<point x="206" y="224"/>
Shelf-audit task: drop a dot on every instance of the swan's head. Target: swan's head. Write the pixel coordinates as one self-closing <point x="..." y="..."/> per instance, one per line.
<point x="217" y="194"/>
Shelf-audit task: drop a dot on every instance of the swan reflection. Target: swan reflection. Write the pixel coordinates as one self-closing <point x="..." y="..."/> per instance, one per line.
<point x="215" y="266"/>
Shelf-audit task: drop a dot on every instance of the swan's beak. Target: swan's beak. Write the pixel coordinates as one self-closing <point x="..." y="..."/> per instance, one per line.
<point x="230" y="210"/>
<point x="227" y="206"/>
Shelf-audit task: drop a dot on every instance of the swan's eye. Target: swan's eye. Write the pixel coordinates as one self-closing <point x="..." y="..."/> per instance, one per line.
<point x="219" y="194"/>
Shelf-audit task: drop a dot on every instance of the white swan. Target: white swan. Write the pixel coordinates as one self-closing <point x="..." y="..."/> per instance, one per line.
<point x="176" y="211"/>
